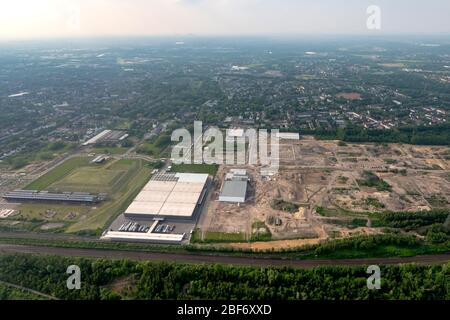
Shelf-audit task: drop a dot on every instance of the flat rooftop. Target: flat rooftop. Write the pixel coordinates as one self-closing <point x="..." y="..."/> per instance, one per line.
<point x="234" y="188"/>
<point x="170" y="194"/>
<point x="50" y="196"/>
<point x="97" y="137"/>
<point x="116" y="235"/>
<point x="288" y="135"/>
<point x="235" y="132"/>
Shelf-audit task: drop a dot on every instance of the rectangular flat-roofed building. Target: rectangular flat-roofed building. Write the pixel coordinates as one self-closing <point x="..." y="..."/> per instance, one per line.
<point x="174" y="195"/>
<point x="97" y="138"/>
<point x="233" y="191"/>
<point x="149" y="236"/>
<point x="234" y="188"/>
<point x="288" y="136"/>
<point x="232" y="134"/>
<point x="45" y="196"/>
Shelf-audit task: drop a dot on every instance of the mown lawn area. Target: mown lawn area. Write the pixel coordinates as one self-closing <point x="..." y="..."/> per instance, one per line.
<point x="58" y="173"/>
<point x="121" y="180"/>
<point x="195" y="168"/>
<point x="117" y="203"/>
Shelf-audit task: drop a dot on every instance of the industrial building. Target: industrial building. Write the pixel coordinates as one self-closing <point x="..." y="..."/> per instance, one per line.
<point x="148" y="235"/>
<point x="164" y="211"/>
<point x="235" y="186"/>
<point x="268" y="172"/>
<point x="169" y="195"/>
<point x="99" y="159"/>
<point x="288" y="136"/>
<point x="232" y="134"/>
<point x="107" y="136"/>
<point x="97" y="138"/>
<point x="45" y="196"/>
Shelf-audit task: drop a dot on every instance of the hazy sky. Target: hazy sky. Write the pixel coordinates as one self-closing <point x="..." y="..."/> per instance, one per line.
<point x="68" y="18"/>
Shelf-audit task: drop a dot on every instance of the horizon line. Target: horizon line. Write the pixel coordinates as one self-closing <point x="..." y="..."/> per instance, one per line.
<point x="223" y="35"/>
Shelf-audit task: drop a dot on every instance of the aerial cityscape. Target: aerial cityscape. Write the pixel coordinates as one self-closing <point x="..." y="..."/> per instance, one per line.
<point x="94" y="172"/>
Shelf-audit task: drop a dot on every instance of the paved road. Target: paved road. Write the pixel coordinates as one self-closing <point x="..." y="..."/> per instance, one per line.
<point x="230" y="260"/>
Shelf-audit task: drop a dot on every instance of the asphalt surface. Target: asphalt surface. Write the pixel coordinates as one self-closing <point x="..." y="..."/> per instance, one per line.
<point x="212" y="259"/>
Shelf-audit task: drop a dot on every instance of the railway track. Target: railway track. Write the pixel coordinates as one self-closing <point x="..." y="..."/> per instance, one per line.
<point x="219" y="259"/>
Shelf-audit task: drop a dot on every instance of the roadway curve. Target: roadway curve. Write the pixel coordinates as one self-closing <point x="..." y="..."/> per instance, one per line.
<point x="230" y="260"/>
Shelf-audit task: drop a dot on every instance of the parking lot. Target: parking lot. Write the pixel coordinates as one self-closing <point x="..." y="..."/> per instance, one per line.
<point x="157" y="225"/>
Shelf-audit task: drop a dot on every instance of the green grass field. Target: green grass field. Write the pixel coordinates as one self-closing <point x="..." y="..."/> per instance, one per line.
<point x="96" y="178"/>
<point x="120" y="179"/>
<point x="78" y="174"/>
<point x="117" y="204"/>
<point x="87" y="178"/>
<point x="52" y="211"/>
<point x="58" y="173"/>
<point x="217" y="237"/>
<point x="195" y="168"/>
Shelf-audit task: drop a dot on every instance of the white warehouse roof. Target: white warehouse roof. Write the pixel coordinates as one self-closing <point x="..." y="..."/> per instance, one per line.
<point x="97" y="137"/>
<point x="233" y="191"/>
<point x="288" y="135"/>
<point x="235" y="133"/>
<point x="117" y="235"/>
<point x="174" y="195"/>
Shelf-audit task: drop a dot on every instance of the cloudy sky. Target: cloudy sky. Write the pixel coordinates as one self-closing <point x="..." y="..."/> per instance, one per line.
<point x="21" y="19"/>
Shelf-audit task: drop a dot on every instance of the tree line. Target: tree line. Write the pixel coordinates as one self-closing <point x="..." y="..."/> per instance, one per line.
<point x="412" y="220"/>
<point x="150" y="280"/>
<point x="421" y="135"/>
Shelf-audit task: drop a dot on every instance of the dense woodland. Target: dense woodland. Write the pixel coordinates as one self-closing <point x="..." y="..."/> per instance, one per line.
<point x="433" y="135"/>
<point x="10" y="293"/>
<point x="147" y="280"/>
<point x="412" y="220"/>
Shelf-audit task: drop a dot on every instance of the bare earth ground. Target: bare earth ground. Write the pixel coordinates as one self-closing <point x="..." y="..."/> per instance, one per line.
<point x="323" y="173"/>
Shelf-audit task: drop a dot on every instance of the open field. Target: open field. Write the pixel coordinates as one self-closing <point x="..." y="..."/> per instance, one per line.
<point x="350" y="183"/>
<point x="210" y="236"/>
<point x="195" y="168"/>
<point x="95" y="178"/>
<point x="120" y="179"/>
<point x="58" y="173"/>
<point x="78" y="174"/>
<point x="118" y="203"/>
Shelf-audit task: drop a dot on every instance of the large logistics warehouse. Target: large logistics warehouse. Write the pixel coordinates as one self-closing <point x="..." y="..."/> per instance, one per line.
<point x="166" y="200"/>
<point x="174" y="195"/>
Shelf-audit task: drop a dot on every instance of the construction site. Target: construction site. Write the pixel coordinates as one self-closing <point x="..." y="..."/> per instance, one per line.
<point x="327" y="189"/>
<point x="322" y="189"/>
